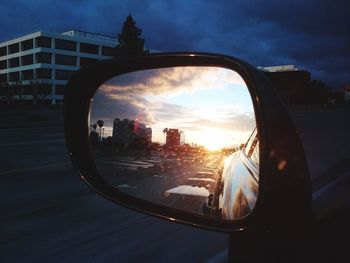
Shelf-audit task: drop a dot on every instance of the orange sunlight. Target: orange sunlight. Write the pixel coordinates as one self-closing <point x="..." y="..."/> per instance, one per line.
<point x="214" y="139"/>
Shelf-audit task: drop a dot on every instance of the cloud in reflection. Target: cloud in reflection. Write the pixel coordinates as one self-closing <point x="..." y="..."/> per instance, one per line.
<point x="192" y="99"/>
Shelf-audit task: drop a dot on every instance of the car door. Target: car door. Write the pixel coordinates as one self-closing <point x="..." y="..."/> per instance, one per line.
<point x="239" y="178"/>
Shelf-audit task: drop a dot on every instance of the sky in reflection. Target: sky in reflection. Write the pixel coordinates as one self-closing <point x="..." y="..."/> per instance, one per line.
<point x="211" y="105"/>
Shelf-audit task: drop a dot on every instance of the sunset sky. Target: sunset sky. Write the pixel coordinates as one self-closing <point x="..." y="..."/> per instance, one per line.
<point x="212" y="106"/>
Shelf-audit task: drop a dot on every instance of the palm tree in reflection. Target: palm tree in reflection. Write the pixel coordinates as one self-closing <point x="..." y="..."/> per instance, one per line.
<point x="100" y="125"/>
<point x="165" y="131"/>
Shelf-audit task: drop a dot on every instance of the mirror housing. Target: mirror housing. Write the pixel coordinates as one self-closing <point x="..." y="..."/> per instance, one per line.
<point x="284" y="185"/>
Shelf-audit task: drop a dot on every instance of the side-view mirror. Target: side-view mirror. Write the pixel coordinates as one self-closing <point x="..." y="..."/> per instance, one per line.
<point x="196" y="138"/>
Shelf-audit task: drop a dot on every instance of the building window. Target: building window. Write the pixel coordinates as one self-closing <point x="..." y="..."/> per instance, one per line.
<point x="43" y="57"/>
<point x="28" y="74"/>
<point x="85" y="61"/>
<point x="65" y="44"/>
<point x="108" y="51"/>
<point x="27" y="60"/>
<point x="14" y="76"/>
<point x="65" y="60"/>
<point x="64" y="74"/>
<point x="88" y="48"/>
<point x="14" y="48"/>
<point x="3" y="64"/>
<point x="13" y="62"/>
<point x="40" y="90"/>
<point x="43" y="73"/>
<point x="26" y="45"/>
<point x="60" y="89"/>
<point x="3" y="77"/>
<point x="3" y="51"/>
<point x="43" y="42"/>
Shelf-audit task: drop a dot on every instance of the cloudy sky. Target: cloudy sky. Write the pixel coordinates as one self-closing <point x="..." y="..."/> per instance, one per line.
<point x="313" y="34"/>
<point x="212" y="106"/>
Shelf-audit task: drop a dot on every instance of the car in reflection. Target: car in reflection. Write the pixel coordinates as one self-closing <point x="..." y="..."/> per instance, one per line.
<point x="237" y="187"/>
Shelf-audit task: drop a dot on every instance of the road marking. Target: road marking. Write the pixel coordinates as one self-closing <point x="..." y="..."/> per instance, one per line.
<point x="31" y="142"/>
<point x="33" y="168"/>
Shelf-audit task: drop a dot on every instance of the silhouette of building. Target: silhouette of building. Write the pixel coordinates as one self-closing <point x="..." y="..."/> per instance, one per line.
<point x="128" y="132"/>
<point x="291" y="83"/>
<point x="173" y="137"/>
<point x="47" y="60"/>
<point x="347" y="93"/>
<point x="295" y="86"/>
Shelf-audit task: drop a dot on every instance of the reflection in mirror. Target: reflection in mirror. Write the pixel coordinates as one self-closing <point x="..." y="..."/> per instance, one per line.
<point x="183" y="137"/>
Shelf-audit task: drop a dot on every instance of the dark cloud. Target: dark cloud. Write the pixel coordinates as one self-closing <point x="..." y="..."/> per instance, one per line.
<point x="313" y="35"/>
<point x="108" y="108"/>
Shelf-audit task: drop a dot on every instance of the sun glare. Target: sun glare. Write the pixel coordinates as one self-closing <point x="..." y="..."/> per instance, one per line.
<point x="213" y="139"/>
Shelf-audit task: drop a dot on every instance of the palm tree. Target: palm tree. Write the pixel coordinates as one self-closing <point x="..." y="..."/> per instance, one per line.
<point x="165" y="131"/>
<point x="100" y="125"/>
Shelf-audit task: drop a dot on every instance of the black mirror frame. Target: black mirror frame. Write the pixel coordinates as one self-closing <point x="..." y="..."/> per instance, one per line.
<point x="284" y="183"/>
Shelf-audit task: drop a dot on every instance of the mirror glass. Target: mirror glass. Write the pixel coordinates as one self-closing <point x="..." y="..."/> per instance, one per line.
<point x="183" y="137"/>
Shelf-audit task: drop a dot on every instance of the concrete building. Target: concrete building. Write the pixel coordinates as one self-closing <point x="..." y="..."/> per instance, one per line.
<point x="38" y="65"/>
<point x="127" y="132"/>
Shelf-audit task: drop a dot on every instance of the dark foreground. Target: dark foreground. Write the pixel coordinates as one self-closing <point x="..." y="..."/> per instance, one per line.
<point x="49" y="215"/>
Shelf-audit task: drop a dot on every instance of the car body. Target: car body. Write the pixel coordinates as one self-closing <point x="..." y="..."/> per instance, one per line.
<point x="238" y="183"/>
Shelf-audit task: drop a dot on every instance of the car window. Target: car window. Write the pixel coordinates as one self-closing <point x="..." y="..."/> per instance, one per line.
<point x="252" y="147"/>
<point x="250" y="143"/>
<point x="255" y="154"/>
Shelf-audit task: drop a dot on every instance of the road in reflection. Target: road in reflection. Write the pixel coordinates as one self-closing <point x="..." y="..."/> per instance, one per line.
<point x="183" y="181"/>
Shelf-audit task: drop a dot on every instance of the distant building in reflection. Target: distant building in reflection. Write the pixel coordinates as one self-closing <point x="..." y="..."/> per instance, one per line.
<point x="129" y="132"/>
<point x="174" y="137"/>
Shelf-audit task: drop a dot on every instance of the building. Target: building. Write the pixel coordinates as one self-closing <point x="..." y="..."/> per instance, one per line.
<point x="129" y="132"/>
<point x="173" y="137"/>
<point x="282" y="68"/>
<point x="347" y="93"/>
<point x="37" y="66"/>
<point x="295" y="86"/>
<point x="291" y="83"/>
